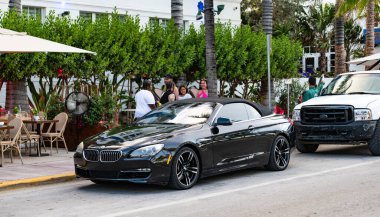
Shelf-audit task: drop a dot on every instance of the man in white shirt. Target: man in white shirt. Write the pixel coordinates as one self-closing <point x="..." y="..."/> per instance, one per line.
<point x="144" y="100"/>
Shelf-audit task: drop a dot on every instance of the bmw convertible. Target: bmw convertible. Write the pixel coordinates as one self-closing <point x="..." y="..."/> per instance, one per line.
<point x="185" y="140"/>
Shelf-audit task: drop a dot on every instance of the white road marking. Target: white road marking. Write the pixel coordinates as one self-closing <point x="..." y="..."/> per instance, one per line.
<point x="216" y="194"/>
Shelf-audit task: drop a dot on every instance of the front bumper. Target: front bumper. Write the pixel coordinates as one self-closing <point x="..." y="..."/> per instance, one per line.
<point x="354" y="132"/>
<point x="155" y="170"/>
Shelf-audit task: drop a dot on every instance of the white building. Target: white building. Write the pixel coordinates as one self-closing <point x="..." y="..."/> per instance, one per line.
<point x="145" y="9"/>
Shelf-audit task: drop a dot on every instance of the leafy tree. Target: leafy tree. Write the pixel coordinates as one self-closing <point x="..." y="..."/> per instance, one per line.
<point x="320" y="22"/>
<point x="359" y="6"/>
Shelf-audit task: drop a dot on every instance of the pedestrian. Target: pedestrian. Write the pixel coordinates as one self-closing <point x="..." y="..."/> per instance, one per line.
<point x="313" y="90"/>
<point x="203" y="91"/>
<point x="168" y="95"/>
<point x="169" y="78"/>
<point x="183" y="93"/>
<point x="144" y="100"/>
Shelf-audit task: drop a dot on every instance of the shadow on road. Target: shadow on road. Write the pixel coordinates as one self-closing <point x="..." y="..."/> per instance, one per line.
<point x="346" y="150"/>
<point x="135" y="189"/>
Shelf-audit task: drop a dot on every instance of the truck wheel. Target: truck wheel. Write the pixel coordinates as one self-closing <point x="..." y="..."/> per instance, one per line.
<point x="306" y="148"/>
<point x="374" y="142"/>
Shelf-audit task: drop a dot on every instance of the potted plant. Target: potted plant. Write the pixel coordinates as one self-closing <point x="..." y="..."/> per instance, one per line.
<point x="36" y="112"/>
<point x="16" y="110"/>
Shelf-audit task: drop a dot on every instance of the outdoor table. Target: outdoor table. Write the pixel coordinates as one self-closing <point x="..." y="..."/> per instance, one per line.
<point x="2" y="133"/>
<point x="38" y="129"/>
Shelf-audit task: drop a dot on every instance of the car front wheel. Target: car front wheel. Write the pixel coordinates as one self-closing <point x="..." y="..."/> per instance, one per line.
<point x="280" y="154"/>
<point x="374" y="142"/>
<point x="185" y="169"/>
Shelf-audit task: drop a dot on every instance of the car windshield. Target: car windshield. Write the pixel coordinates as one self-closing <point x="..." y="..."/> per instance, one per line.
<point x="179" y="113"/>
<point x="354" y="84"/>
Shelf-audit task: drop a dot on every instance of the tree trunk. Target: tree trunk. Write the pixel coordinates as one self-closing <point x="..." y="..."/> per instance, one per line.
<point x="323" y="62"/>
<point x="264" y="91"/>
<point x="177" y="16"/>
<point x="340" y="53"/>
<point x="370" y="22"/>
<point x="16" y="92"/>
<point x="177" y="12"/>
<point x="16" y="95"/>
<point x="15" y="5"/>
<point x="210" y="49"/>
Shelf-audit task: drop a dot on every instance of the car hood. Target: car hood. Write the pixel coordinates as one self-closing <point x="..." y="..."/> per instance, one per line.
<point x="136" y="135"/>
<point x="356" y="100"/>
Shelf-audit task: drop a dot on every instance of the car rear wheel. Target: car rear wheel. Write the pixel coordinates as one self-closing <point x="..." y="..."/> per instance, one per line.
<point x="306" y="148"/>
<point x="280" y="154"/>
<point x="374" y="142"/>
<point x="185" y="169"/>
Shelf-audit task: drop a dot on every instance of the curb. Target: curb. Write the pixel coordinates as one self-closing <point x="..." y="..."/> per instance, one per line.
<point x="63" y="177"/>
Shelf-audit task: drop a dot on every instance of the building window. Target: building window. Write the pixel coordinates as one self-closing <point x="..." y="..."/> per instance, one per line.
<point x="85" y="15"/>
<point x="101" y="15"/>
<point x="186" y="26"/>
<point x="32" y="11"/>
<point x="162" y="21"/>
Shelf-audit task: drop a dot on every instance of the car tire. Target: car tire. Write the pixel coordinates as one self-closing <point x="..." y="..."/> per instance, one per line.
<point x="374" y="142"/>
<point x="306" y="148"/>
<point x="185" y="169"/>
<point x="279" y="155"/>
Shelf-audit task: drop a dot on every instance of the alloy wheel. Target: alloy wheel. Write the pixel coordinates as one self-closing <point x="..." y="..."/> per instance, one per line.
<point x="282" y="152"/>
<point x="187" y="168"/>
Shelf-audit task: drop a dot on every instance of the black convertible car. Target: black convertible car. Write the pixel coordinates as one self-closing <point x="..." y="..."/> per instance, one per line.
<point x="184" y="140"/>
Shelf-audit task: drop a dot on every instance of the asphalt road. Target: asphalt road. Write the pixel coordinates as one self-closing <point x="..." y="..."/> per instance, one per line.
<point x="335" y="181"/>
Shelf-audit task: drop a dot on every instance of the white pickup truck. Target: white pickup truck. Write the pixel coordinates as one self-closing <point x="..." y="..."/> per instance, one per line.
<point x="347" y="112"/>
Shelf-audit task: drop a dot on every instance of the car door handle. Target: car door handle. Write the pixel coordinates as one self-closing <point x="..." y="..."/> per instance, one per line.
<point x="251" y="127"/>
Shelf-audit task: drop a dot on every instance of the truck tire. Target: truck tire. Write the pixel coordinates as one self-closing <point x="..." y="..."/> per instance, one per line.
<point x="374" y="142"/>
<point x="306" y="148"/>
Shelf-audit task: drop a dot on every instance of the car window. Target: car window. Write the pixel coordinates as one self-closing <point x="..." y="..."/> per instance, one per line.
<point x="252" y="112"/>
<point x="234" y="111"/>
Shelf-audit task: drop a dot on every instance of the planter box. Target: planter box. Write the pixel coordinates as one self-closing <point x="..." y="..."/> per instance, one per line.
<point x="74" y="135"/>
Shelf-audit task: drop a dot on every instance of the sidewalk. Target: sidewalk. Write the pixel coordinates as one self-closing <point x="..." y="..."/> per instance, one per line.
<point x="37" y="170"/>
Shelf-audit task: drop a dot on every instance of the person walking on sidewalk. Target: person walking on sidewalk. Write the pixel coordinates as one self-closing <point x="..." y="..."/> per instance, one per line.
<point x="144" y="100"/>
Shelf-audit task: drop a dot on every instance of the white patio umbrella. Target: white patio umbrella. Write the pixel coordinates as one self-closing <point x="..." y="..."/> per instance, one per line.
<point x="21" y="42"/>
<point x="372" y="62"/>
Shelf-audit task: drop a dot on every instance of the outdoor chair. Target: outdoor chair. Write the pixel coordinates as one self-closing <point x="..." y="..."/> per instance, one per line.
<point x="27" y="135"/>
<point x="14" y="139"/>
<point x="58" y="134"/>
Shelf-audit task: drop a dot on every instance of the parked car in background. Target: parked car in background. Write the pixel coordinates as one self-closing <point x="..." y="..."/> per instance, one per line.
<point x="347" y="112"/>
<point x="184" y="140"/>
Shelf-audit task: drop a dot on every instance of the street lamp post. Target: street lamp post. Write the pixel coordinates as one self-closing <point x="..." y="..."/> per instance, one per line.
<point x="267" y="23"/>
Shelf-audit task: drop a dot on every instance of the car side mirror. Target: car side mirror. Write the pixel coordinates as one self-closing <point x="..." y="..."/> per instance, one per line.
<point x="223" y="122"/>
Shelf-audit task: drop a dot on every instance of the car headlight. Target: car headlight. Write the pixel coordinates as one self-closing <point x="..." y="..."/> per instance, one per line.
<point x="362" y="114"/>
<point x="147" y="151"/>
<point x="296" y="116"/>
<point x="80" y="148"/>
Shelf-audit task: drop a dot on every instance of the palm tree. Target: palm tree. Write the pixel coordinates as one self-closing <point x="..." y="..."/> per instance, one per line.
<point x="320" y="21"/>
<point x="340" y="53"/>
<point x="352" y="39"/>
<point x="15" y="5"/>
<point x="177" y="12"/>
<point x="210" y="48"/>
<point x="16" y="92"/>
<point x="177" y="16"/>
<point x="359" y="6"/>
